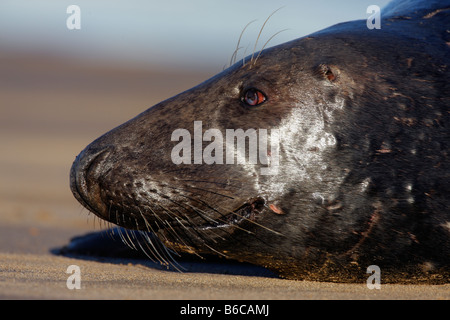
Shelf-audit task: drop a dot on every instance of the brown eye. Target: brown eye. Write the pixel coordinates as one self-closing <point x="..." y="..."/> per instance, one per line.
<point x="253" y="97"/>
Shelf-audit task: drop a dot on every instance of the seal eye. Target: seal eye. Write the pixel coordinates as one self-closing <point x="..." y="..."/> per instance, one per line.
<point x="253" y="97"/>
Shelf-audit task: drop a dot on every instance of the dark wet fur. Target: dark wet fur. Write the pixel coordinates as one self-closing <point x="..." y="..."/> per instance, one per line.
<point x="364" y="168"/>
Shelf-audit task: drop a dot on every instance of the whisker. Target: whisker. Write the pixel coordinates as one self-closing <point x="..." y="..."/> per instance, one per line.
<point x="260" y="31"/>
<point x="223" y="216"/>
<point x="166" y="258"/>
<point x="180" y="238"/>
<point x="122" y="237"/>
<point x="201" y="189"/>
<point x="164" y="222"/>
<point x="128" y="232"/>
<point x="176" y="218"/>
<point x="254" y="222"/>
<point x="201" y="214"/>
<point x="233" y="57"/>
<point x="214" y="250"/>
<point x="152" y="250"/>
<point x="265" y="44"/>
<point x="155" y="251"/>
<point x="243" y="58"/>
<point x="208" y="181"/>
<point x="174" y="262"/>
<point x="213" y="192"/>
<point x="188" y="230"/>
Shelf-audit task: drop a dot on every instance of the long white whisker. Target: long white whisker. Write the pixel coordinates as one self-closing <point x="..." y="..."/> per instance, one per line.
<point x="233" y="57"/>
<point x="265" y="44"/>
<point x="260" y="31"/>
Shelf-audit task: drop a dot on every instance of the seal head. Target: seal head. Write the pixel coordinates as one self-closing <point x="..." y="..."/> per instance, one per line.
<point x="358" y="123"/>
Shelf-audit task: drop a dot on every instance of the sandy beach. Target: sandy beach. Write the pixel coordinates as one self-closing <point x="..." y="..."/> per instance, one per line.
<point x="50" y="109"/>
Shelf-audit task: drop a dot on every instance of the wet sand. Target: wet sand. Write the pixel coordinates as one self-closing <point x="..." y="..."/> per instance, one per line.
<point x="50" y="109"/>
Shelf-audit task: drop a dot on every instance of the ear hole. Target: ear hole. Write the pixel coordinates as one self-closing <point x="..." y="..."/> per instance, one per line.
<point x="327" y="72"/>
<point x="330" y="75"/>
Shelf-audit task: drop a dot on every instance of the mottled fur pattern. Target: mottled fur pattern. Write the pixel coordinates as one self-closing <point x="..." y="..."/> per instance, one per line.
<point x="364" y="166"/>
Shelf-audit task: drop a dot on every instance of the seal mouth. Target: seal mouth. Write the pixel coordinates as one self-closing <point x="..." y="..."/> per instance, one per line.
<point x="206" y="237"/>
<point x="248" y="212"/>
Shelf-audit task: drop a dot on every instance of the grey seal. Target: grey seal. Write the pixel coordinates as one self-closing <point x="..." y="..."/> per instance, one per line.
<point x="363" y="173"/>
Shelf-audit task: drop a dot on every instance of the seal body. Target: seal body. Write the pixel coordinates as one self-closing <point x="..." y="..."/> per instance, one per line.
<point x="362" y="172"/>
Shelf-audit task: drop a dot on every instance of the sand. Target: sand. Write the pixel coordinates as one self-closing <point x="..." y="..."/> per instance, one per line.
<point x="50" y="109"/>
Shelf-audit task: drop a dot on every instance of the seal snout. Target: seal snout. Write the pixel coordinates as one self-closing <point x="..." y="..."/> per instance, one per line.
<point x="84" y="174"/>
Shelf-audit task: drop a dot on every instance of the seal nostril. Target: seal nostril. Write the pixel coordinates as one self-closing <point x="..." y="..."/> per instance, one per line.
<point x="94" y="168"/>
<point x="84" y="174"/>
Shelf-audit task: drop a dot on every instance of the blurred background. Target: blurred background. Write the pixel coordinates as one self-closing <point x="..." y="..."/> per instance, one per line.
<point x="60" y="89"/>
<point x="192" y="34"/>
